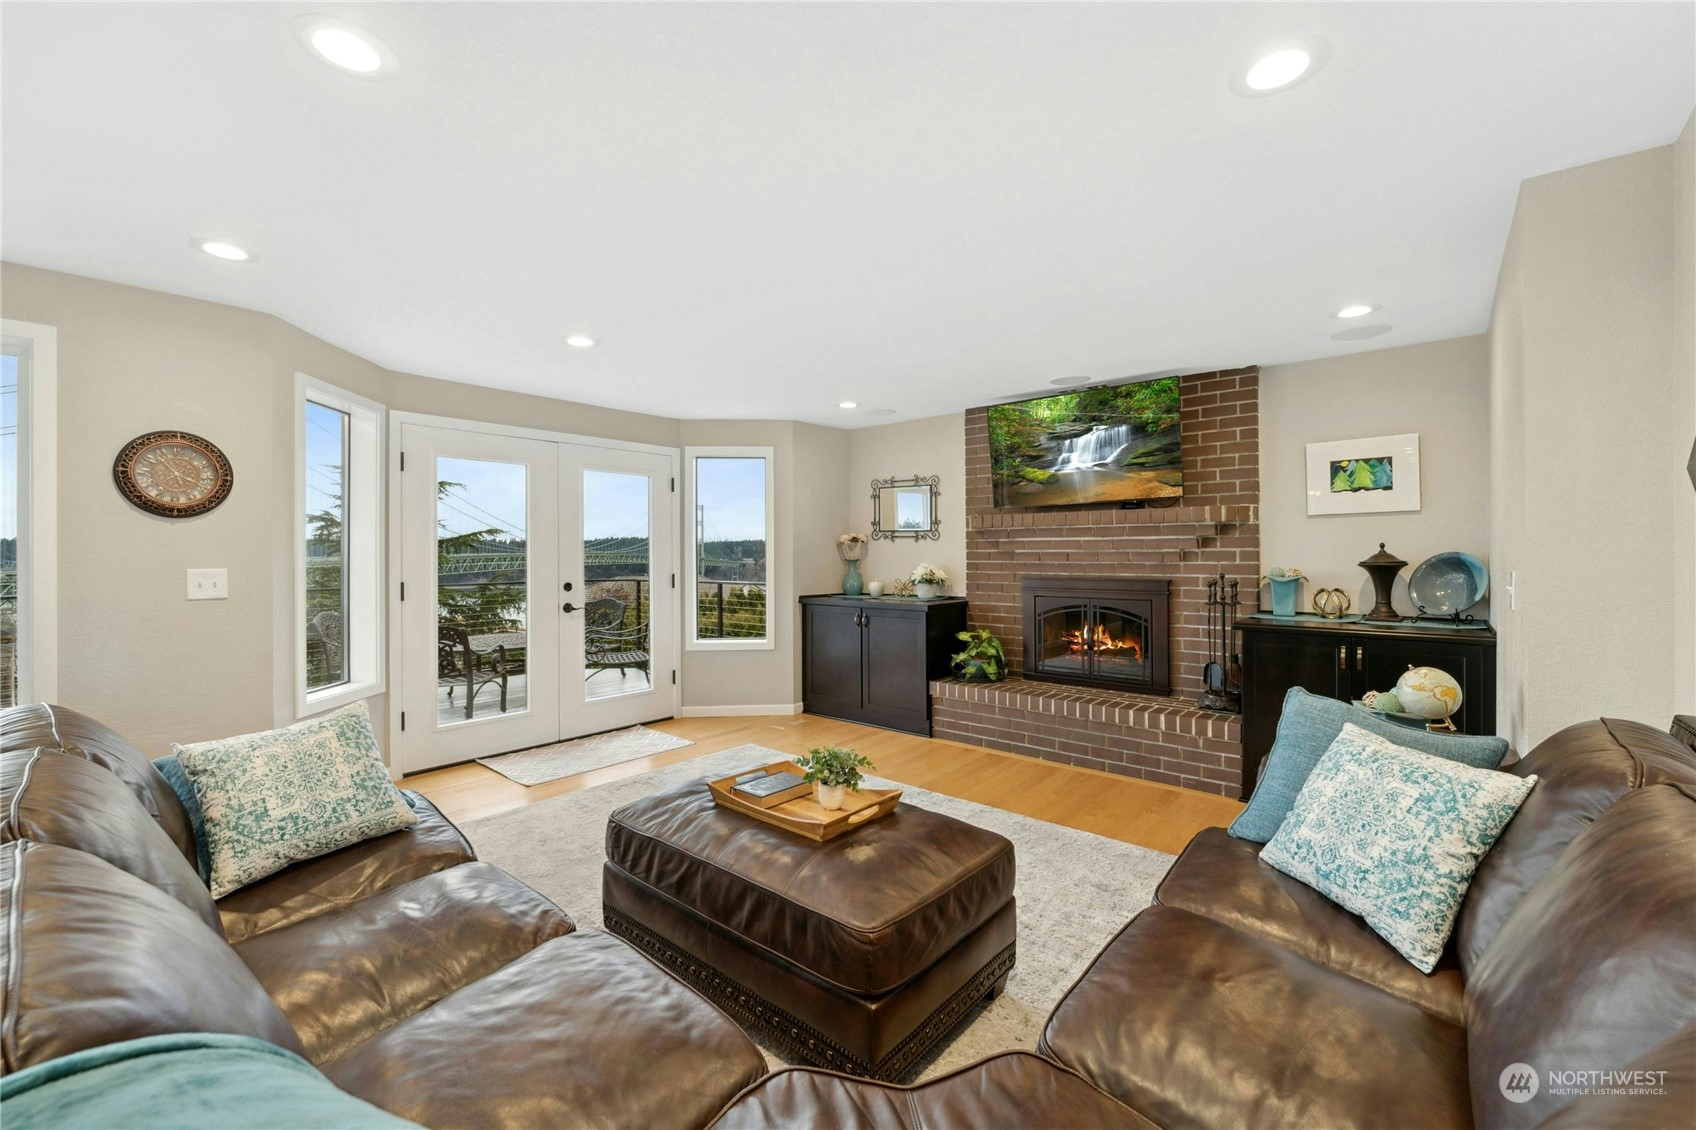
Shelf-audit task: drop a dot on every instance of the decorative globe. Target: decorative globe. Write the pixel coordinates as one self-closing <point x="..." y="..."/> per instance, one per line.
<point x="1426" y="692"/>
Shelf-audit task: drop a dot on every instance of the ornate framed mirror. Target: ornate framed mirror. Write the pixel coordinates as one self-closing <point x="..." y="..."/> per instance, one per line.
<point x="905" y="508"/>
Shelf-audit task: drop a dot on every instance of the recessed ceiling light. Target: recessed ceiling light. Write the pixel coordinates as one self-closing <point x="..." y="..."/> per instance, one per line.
<point x="1065" y="381"/>
<point x="224" y="249"/>
<point x="1358" y="310"/>
<point x="1280" y="68"/>
<point x="347" y="47"/>
<point x="581" y="341"/>
<point x="849" y="404"/>
<point x="1360" y="333"/>
<point x="1277" y="67"/>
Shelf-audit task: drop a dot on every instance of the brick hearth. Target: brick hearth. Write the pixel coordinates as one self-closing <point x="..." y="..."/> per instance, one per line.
<point x="1215" y="528"/>
<point x="1155" y="738"/>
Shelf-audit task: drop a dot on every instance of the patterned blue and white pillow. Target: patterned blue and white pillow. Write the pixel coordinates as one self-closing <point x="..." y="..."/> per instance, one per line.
<point x="1394" y="835"/>
<point x="278" y="797"/>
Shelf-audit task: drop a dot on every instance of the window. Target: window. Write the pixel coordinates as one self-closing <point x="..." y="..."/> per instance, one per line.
<point x="339" y="546"/>
<point x="29" y="636"/>
<point x="730" y="498"/>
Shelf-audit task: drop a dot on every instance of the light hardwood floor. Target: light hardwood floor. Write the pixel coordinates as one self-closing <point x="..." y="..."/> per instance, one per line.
<point x="1139" y="812"/>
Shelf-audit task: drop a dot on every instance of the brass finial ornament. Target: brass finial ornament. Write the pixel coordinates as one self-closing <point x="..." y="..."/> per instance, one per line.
<point x="1382" y="567"/>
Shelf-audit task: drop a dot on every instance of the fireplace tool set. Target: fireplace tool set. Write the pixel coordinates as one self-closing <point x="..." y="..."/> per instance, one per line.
<point x="1223" y="675"/>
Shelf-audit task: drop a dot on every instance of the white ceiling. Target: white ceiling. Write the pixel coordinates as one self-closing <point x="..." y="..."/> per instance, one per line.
<point x="761" y="210"/>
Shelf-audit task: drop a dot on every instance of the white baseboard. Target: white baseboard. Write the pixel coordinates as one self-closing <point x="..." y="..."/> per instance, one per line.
<point x="738" y="711"/>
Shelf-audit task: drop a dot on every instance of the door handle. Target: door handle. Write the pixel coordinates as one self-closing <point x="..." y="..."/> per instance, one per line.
<point x="1360" y="657"/>
<point x="1343" y="657"/>
<point x="568" y="608"/>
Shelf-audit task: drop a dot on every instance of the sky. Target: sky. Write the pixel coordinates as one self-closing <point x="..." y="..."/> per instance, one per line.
<point x="8" y="446"/>
<point x="732" y="493"/>
<point x="323" y="459"/>
<point x="494" y="495"/>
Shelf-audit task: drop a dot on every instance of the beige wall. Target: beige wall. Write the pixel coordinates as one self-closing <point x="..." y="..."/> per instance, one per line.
<point x="133" y="651"/>
<point x="1683" y="408"/>
<point x="1439" y="390"/>
<point x="932" y="446"/>
<point x="1590" y="428"/>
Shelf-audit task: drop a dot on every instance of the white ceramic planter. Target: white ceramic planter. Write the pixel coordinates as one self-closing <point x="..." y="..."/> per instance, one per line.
<point x="829" y="796"/>
<point x="927" y="592"/>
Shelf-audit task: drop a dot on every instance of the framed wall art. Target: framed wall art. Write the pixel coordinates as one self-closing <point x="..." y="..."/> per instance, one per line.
<point x="1379" y="475"/>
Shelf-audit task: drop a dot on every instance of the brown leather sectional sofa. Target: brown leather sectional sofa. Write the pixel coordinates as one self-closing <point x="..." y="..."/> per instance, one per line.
<point x="1243" y="998"/>
<point x="443" y="990"/>
<point x="429" y="984"/>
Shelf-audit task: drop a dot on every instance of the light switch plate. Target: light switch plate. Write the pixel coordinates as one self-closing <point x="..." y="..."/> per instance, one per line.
<point x="208" y="584"/>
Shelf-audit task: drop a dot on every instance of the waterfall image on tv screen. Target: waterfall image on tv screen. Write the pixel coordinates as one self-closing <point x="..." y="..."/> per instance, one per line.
<point x="1094" y="445"/>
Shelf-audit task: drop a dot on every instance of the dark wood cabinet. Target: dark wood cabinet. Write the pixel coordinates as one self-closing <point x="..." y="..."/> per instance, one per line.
<point x="1344" y="660"/>
<point x="871" y="659"/>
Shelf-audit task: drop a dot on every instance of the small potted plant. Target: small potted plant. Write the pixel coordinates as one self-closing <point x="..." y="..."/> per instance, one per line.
<point x="832" y="770"/>
<point x="983" y="658"/>
<point x="928" y="581"/>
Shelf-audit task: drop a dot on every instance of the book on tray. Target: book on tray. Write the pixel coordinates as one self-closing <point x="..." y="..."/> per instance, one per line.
<point x="768" y="789"/>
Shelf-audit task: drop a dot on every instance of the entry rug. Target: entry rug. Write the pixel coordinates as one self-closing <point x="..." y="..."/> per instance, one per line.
<point x="1074" y="889"/>
<point x="567" y="759"/>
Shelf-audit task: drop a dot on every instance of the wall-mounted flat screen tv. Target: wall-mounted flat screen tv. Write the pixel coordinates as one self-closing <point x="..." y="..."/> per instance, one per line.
<point x="1113" y="444"/>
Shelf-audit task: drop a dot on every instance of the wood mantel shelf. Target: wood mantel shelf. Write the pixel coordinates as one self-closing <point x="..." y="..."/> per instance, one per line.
<point x="1044" y="519"/>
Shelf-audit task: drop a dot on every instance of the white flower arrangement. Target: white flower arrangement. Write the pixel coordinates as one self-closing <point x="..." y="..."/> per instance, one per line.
<point x="927" y="574"/>
<point x="852" y="547"/>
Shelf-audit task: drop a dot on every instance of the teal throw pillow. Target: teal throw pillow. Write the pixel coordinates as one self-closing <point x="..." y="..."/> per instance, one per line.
<point x="282" y="796"/>
<point x="172" y="770"/>
<point x="1306" y="730"/>
<point x="1394" y="835"/>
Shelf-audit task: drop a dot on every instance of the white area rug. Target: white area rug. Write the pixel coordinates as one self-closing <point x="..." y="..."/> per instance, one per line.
<point x="1074" y="889"/>
<point x="567" y="759"/>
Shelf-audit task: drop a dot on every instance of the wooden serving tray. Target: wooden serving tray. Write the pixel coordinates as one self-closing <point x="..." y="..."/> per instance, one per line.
<point x="802" y="815"/>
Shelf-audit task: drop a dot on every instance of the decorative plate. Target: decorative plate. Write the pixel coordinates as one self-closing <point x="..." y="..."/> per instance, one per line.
<point x="1448" y="583"/>
<point x="174" y="474"/>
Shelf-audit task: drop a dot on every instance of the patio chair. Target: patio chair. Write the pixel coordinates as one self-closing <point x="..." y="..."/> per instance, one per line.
<point x="328" y="626"/>
<point x="458" y="666"/>
<point x="607" y="643"/>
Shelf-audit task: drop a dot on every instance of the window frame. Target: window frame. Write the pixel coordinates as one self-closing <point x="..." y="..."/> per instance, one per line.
<point x="37" y="349"/>
<point x="364" y="547"/>
<point x="691" y="594"/>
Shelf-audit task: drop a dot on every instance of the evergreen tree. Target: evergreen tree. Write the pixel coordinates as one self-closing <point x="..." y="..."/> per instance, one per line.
<point x="1340" y="481"/>
<point x="1382" y="476"/>
<point x="1361" y="477"/>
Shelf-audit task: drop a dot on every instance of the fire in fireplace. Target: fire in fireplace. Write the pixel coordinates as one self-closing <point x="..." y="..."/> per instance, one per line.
<point x="1097" y="632"/>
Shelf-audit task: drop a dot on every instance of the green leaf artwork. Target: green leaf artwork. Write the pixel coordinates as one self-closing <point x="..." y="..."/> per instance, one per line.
<point x="1351" y="475"/>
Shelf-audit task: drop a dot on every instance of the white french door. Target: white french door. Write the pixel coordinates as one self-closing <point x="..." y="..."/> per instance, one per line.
<point x="537" y="596"/>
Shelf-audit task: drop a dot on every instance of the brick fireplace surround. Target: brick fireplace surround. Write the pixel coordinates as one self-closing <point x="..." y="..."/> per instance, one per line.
<point x="1214" y="529"/>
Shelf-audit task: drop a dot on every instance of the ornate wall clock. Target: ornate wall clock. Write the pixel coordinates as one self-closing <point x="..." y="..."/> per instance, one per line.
<point x="175" y="474"/>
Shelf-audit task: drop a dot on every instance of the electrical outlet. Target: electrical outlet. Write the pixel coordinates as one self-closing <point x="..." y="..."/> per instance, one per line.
<point x="1513" y="598"/>
<point x="208" y="584"/>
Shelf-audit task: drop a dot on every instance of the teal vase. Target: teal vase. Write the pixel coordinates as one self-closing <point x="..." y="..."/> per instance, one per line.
<point x="1283" y="595"/>
<point x="851" y="583"/>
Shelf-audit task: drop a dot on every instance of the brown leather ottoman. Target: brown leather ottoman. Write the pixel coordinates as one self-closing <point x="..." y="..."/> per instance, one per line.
<point x="857" y="955"/>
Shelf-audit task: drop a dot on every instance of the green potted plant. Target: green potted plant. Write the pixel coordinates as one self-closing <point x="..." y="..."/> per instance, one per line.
<point x="832" y="770"/>
<point x="983" y="658"/>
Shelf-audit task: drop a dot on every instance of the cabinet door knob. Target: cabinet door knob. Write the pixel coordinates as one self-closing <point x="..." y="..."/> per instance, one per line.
<point x="1343" y="657"/>
<point x="1360" y="658"/>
